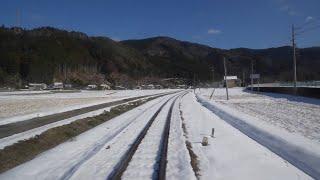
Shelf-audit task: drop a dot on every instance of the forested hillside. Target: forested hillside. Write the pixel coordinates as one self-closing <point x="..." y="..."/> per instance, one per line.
<point x="47" y="54"/>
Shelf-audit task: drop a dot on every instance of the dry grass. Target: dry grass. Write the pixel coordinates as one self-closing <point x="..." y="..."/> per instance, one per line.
<point x="194" y="160"/>
<point x="26" y="150"/>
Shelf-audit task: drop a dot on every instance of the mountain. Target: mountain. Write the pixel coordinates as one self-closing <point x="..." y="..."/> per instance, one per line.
<point x="173" y="58"/>
<point x="48" y="54"/>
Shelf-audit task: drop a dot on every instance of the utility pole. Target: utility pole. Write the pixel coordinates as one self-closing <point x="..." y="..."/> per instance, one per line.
<point x="213" y="88"/>
<point x="212" y="74"/>
<point x="243" y="78"/>
<point x="194" y="83"/>
<point x="251" y="74"/>
<point x="294" y="59"/>
<point x="65" y="71"/>
<point x="225" y="76"/>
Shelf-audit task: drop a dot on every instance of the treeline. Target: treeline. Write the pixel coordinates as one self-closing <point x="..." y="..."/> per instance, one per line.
<point x="47" y="54"/>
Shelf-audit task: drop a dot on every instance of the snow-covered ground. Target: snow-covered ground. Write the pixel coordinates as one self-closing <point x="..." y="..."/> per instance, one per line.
<point x="298" y="115"/>
<point x="91" y="155"/>
<point x="19" y="106"/>
<point x="178" y="164"/>
<point x="294" y="146"/>
<point x="243" y="146"/>
<point x="7" y="141"/>
<point x="146" y="158"/>
<point x="231" y="154"/>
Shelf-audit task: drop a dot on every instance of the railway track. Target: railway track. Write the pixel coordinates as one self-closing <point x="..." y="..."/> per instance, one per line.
<point x="118" y="140"/>
<point x="95" y="149"/>
<point x="22" y="126"/>
<point x="161" y="159"/>
<point x="111" y="149"/>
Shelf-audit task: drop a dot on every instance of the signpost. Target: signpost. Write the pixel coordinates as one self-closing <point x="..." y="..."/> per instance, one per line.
<point x="255" y="76"/>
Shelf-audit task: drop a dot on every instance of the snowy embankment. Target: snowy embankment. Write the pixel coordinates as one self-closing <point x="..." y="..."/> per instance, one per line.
<point x="94" y="153"/>
<point x="230" y="154"/>
<point x="22" y="107"/>
<point x="294" y="146"/>
<point x="7" y="141"/>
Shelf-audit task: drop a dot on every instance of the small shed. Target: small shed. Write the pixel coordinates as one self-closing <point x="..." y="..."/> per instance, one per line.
<point x="158" y="86"/>
<point x="150" y="86"/>
<point x="105" y="87"/>
<point x="91" y="87"/>
<point x="232" y="81"/>
<point x="120" y="88"/>
<point x="57" y="85"/>
<point x="37" y="86"/>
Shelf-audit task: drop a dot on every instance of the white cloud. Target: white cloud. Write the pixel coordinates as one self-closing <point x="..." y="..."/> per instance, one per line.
<point x="309" y="18"/>
<point x="214" y="31"/>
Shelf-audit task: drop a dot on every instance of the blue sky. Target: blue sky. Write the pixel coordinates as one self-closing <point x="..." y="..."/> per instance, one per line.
<point x="217" y="23"/>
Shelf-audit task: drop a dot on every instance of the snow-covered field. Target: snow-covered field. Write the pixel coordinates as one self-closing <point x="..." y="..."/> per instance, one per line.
<point x="257" y="136"/>
<point x="18" y="106"/>
<point x="298" y="115"/>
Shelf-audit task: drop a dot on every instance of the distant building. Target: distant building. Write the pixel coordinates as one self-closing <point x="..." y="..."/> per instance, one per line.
<point x="232" y="81"/>
<point x="68" y="86"/>
<point x="57" y="85"/>
<point x="158" y="86"/>
<point x="120" y="88"/>
<point x="37" y="86"/>
<point x="182" y="86"/>
<point x="105" y="87"/>
<point x="91" y="87"/>
<point x="150" y="86"/>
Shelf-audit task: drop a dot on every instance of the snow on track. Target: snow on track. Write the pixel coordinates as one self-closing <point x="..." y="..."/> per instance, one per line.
<point x="231" y="154"/>
<point x="106" y="162"/>
<point x="6" y="141"/>
<point x="146" y="160"/>
<point x="92" y="154"/>
<point x="178" y="166"/>
<point x="22" y="107"/>
<point x="36" y="131"/>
